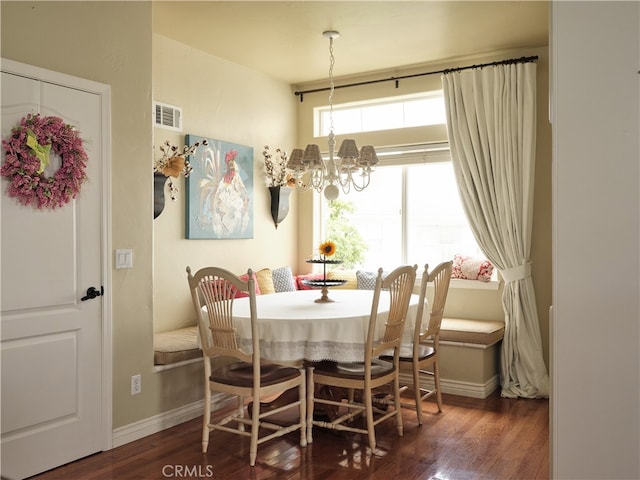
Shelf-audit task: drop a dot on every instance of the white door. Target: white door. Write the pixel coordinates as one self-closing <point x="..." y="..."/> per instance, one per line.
<point x="52" y="341"/>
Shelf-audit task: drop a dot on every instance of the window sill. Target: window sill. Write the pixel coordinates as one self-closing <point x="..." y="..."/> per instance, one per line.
<point x="171" y="366"/>
<point x="458" y="283"/>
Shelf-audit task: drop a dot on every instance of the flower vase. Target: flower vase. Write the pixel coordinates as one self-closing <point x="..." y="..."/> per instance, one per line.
<point x="279" y="203"/>
<point x="159" y="180"/>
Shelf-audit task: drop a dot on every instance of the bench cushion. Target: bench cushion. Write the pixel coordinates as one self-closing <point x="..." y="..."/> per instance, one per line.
<point x="176" y="346"/>
<point x="481" y="332"/>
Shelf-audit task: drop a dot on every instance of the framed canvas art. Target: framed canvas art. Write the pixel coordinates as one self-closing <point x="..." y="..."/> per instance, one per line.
<point x="219" y="197"/>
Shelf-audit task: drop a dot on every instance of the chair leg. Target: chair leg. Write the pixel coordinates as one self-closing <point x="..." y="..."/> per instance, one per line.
<point x="417" y="392"/>
<point x="368" y="402"/>
<point x="206" y="418"/>
<point x="310" y="404"/>
<point x="436" y="380"/>
<point x="255" y="422"/>
<point x="302" y="397"/>
<point x="398" y="406"/>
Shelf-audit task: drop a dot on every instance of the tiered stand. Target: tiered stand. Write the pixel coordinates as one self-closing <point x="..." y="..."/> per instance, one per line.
<point x="324" y="284"/>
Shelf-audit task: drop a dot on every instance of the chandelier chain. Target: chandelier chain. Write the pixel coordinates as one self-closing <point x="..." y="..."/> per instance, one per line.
<point x="332" y="62"/>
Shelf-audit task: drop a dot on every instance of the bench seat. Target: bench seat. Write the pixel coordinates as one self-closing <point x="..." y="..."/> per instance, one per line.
<point x="176" y="346"/>
<point x="469" y="356"/>
<point x="478" y="332"/>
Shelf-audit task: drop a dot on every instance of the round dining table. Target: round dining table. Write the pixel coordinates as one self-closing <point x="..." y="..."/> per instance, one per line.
<point x="294" y="327"/>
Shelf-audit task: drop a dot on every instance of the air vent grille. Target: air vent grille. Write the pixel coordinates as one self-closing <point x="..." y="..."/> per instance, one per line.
<point x="167" y="116"/>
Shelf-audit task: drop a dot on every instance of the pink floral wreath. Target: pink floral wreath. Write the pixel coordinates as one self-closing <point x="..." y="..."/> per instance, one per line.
<point x="27" y="155"/>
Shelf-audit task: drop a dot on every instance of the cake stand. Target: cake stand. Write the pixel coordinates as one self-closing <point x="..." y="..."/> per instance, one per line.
<point x="324" y="283"/>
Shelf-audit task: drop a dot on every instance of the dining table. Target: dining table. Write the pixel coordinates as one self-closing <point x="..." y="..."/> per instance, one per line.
<point x="295" y="328"/>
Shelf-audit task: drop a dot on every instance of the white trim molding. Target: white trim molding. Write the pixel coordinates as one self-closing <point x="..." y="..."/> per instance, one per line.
<point x="455" y="387"/>
<point x="148" y="426"/>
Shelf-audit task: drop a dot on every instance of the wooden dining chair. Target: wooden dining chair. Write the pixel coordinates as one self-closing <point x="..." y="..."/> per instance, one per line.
<point x="371" y="372"/>
<point x="214" y="291"/>
<point x="423" y="353"/>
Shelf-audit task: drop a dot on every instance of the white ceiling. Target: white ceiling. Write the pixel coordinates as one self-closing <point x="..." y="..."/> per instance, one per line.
<point x="284" y="39"/>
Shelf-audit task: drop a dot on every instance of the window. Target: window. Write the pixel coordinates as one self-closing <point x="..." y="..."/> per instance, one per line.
<point x="382" y="114"/>
<point x="411" y="213"/>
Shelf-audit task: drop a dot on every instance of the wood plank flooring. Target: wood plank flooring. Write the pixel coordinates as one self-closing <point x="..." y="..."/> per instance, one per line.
<point x="494" y="438"/>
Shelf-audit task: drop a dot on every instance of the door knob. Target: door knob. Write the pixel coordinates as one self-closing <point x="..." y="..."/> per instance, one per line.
<point x="92" y="292"/>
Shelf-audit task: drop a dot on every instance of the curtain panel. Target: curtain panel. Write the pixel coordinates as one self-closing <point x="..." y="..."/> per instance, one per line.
<point x="491" y="123"/>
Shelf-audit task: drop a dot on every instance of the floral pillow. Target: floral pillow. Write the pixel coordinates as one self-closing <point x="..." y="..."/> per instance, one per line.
<point x="470" y="268"/>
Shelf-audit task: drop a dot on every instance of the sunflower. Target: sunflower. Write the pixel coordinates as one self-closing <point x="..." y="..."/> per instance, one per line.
<point x="327" y="248"/>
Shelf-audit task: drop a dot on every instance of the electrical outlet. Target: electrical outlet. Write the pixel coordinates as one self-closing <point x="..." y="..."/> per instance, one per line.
<point x="136" y="384"/>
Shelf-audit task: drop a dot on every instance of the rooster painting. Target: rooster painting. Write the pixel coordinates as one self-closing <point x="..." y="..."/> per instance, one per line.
<point x="220" y="191"/>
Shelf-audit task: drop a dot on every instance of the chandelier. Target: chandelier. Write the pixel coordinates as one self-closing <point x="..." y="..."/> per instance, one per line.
<point x="348" y="168"/>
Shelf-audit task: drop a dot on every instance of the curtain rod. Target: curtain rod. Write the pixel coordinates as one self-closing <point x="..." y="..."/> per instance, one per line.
<point x="397" y="79"/>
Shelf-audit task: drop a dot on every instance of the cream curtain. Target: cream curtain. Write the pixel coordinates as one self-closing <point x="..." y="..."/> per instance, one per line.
<point x="491" y="122"/>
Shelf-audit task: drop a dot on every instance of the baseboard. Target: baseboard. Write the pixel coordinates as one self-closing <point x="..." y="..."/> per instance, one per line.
<point x="454" y="387"/>
<point x="157" y="423"/>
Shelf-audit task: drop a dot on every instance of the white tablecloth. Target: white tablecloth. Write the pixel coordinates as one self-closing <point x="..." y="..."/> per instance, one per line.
<point x="293" y="327"/>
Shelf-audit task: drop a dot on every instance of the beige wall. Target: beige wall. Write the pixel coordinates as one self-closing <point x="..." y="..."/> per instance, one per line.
<point x="465" y="303"/>
<point x="95" y="40"/>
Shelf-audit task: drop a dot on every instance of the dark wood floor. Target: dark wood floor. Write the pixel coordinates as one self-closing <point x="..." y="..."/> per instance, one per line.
<point x="494" y="438"/>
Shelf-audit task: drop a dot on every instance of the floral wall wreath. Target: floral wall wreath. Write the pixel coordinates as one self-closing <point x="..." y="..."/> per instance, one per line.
<point x="27" y="155"/>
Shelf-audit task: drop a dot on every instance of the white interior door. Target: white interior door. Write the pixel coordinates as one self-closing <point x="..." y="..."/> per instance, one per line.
<point x="52" y="342"/>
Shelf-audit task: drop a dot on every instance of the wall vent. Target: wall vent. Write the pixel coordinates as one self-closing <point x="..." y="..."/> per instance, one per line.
<point x="167" y="116"/>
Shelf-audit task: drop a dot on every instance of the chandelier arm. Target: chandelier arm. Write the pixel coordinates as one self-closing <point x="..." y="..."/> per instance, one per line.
<point x="317" y="179"/>
<point x="301" y="186"/>
<point x="366" y="176"/>
<point x="346" y="187"/>
<point x="345" y="177"/>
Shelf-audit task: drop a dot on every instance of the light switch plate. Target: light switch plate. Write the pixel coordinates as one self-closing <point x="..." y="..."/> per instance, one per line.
<point x="124" y="258"/>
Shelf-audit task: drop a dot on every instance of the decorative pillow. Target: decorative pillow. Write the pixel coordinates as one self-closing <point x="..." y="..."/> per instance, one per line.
<point x="470" y="268"/>
<point x="245" y="278"/>
<point x="222" y="284"/>
<point x="265" y="281"/>
<point x="308" y="276"/>
<point x="366" y="280"/>
<point x="283" y="279"/>
<point x="349" y="276"/>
